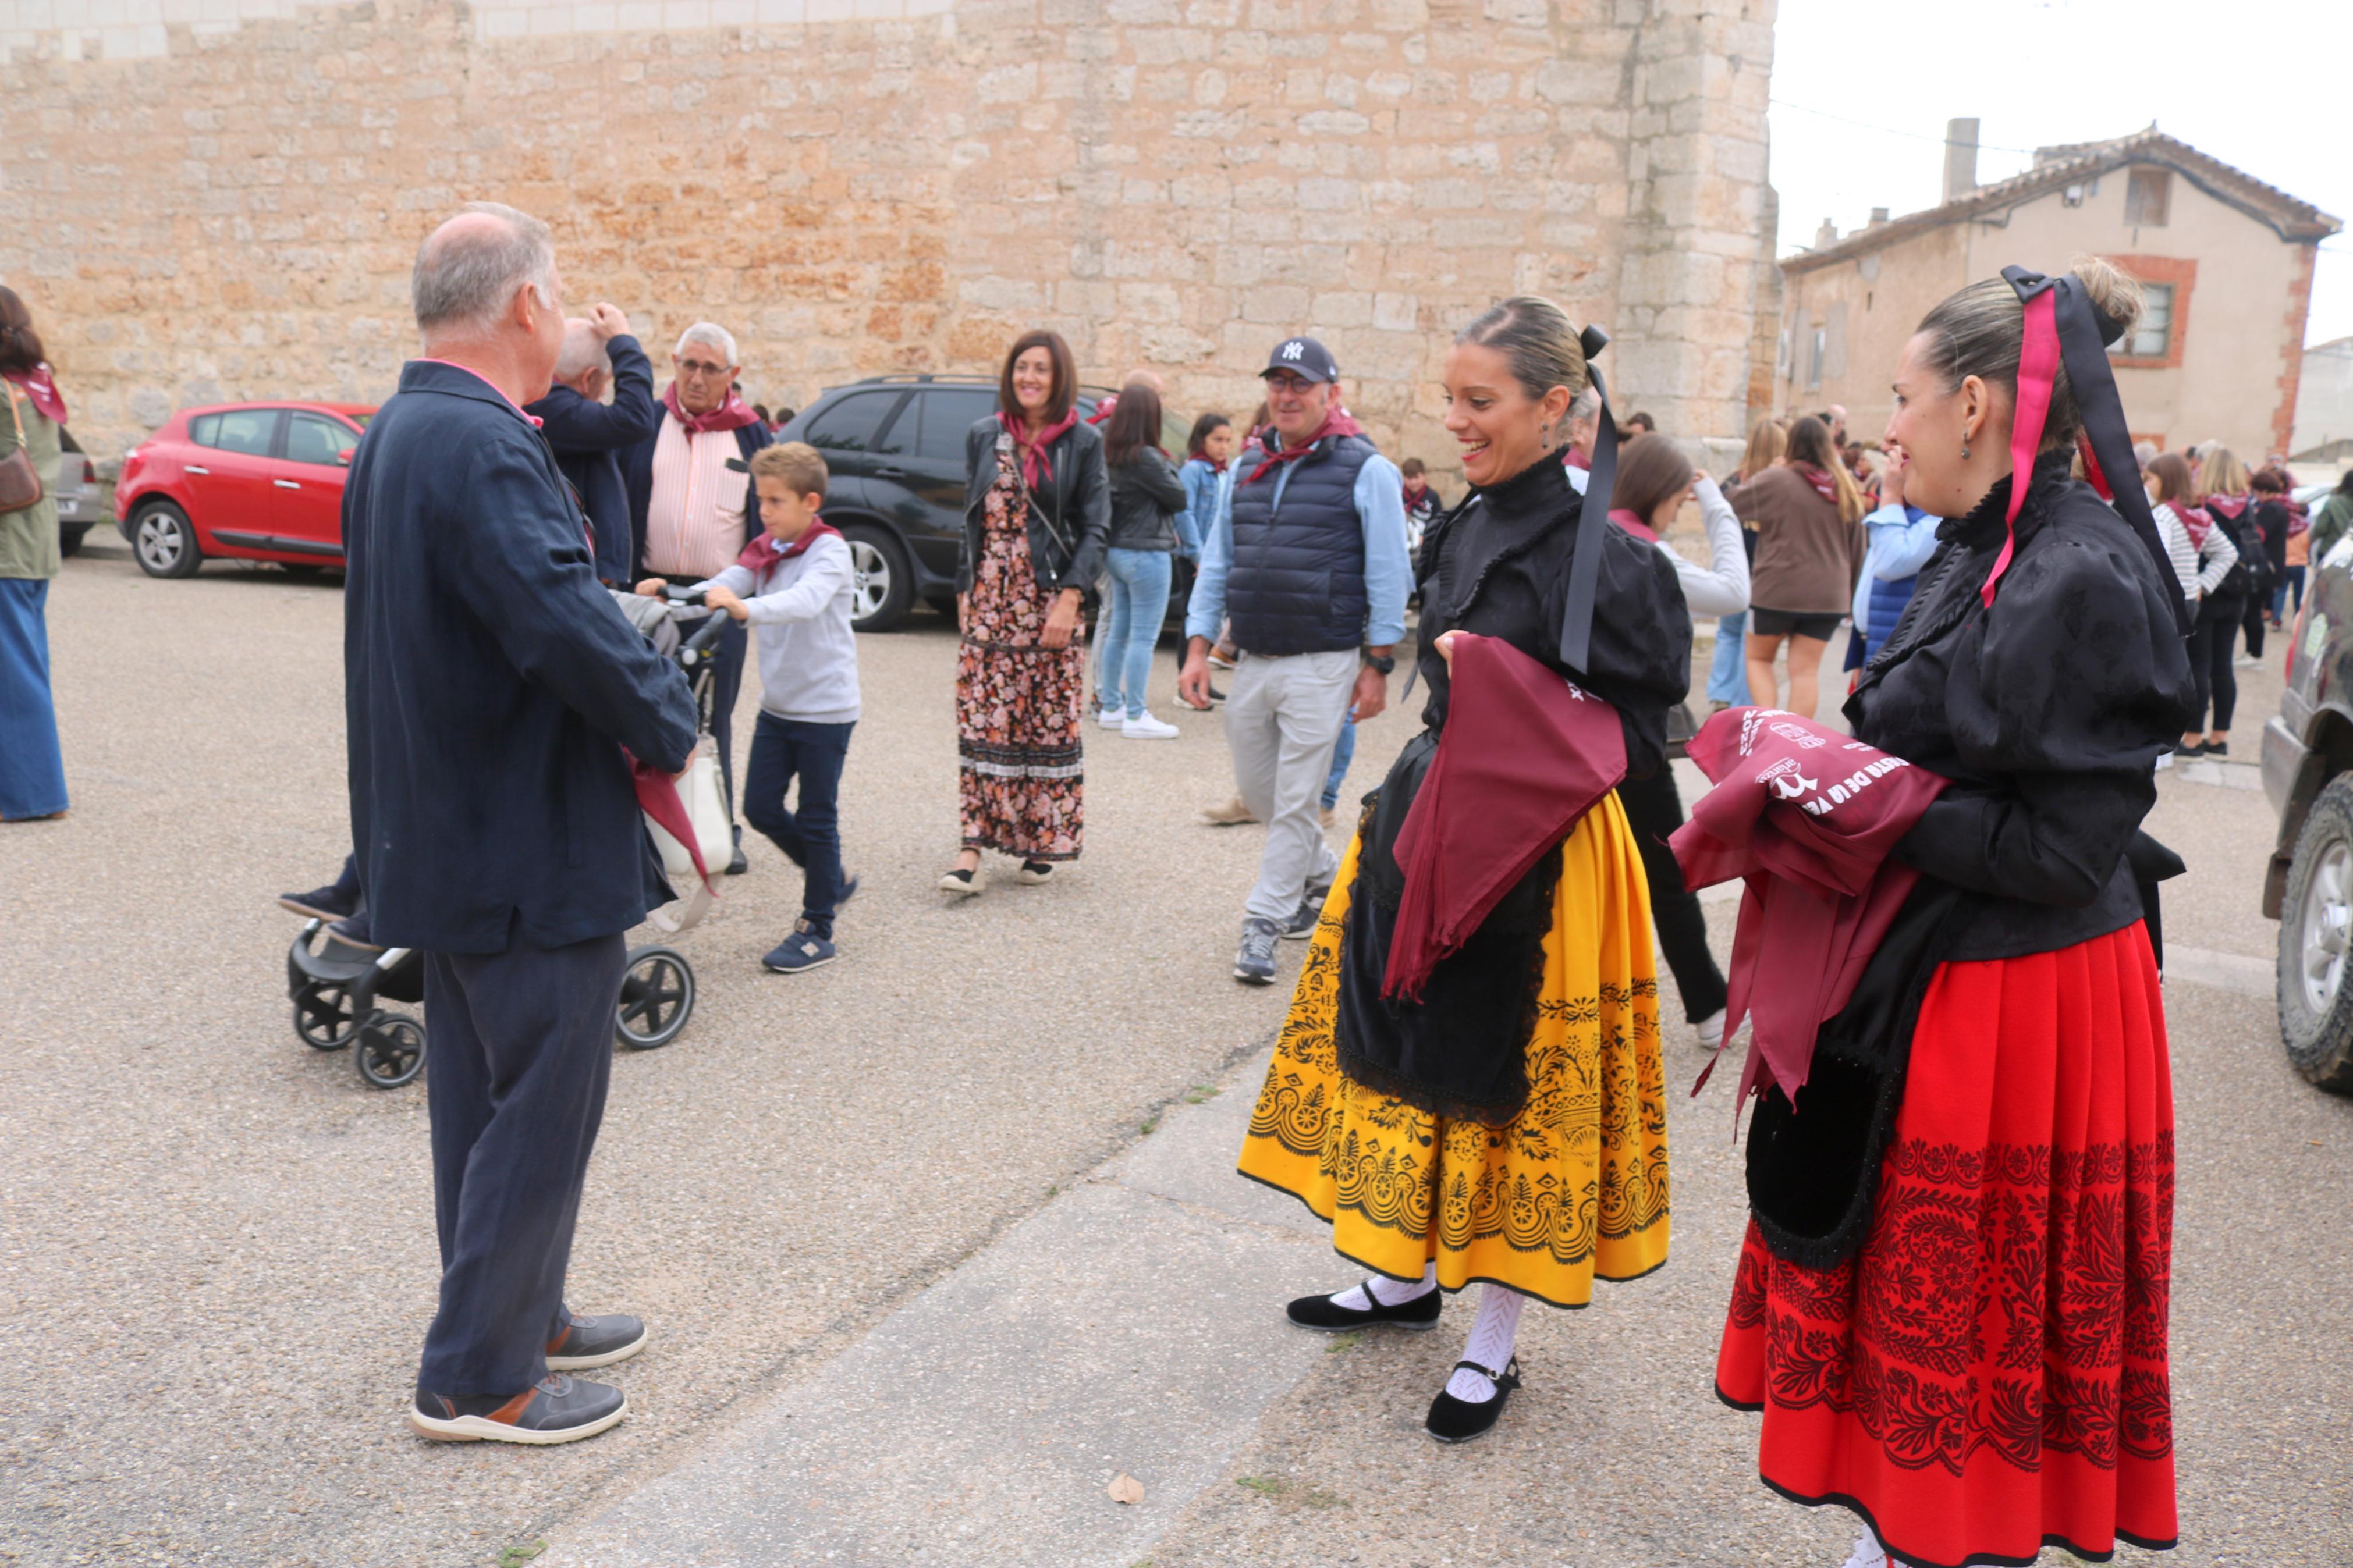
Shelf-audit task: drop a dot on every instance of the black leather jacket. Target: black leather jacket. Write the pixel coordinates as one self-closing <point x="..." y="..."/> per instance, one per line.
<point x="1070" y="516"/>
<point x="1145" y="496"/>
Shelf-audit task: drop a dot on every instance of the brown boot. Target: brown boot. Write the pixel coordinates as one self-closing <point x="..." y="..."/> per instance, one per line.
<point x="1233" y="813"/>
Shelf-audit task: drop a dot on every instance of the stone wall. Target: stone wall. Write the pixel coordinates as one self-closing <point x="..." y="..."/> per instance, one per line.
<point x="208" y="199"/>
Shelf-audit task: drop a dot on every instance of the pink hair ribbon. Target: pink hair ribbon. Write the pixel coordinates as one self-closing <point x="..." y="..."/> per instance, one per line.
<point x="2038" y="367"/>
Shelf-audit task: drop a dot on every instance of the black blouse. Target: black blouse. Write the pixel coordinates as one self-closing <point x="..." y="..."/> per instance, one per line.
<point x="1498" y="566"/>
<point x="2048" y="711"/>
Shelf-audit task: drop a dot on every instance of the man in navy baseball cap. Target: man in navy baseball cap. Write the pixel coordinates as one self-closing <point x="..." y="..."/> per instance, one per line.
<point x="1304" y="358"/>
<point x="1306" y="557"/>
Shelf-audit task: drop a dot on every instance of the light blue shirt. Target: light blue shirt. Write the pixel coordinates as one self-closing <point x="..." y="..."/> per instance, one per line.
<point x="1202" y="484"/>
<point x="1899" y="544"/>
<point x="1389" y="572"/>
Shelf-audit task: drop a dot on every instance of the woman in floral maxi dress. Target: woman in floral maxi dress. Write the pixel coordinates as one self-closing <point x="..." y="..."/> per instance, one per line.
<point x="1037" y="516"/>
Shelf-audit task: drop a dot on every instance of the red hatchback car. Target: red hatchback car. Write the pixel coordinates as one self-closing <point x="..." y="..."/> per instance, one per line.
<point x="249" y="481"/>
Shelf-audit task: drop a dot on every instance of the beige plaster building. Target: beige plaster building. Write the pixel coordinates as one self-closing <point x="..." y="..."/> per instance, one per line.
<point x="212" y="199"/>
<point x="2226" y="259"/>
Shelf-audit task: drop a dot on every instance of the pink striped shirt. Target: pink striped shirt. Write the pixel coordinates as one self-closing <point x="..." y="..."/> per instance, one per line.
<point x="695" y="518"/>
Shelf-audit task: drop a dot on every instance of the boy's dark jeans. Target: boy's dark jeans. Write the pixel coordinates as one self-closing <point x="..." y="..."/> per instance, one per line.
<point x="783" y="750"/>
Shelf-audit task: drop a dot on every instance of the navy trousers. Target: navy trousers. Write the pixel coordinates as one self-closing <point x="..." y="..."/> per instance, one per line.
<point x="810" y="836"/>
<point x="521" y="1048"/>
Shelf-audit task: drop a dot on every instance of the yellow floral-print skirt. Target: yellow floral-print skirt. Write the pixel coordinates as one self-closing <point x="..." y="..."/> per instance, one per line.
<point x="1574" y="1186"/>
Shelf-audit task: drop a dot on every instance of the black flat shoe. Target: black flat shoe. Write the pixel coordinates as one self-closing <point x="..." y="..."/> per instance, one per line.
<point x="1322" y="1314"/>
<point x="1453" y="1420"/>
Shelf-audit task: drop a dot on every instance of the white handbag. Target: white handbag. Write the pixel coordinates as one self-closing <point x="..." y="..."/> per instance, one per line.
<point x="700" y="790"/>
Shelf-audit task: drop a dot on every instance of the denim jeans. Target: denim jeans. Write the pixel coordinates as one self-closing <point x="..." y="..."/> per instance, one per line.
<point x="1728" y="673"/>
<point x="1133" y="613"/>
<point x="1343" y="752"/>
<point x="810" y="836"/>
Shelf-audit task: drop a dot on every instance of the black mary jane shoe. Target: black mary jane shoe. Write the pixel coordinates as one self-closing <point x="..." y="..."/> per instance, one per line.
<point x="1326" y="1316"/>
<point x="1453" y="1420"/>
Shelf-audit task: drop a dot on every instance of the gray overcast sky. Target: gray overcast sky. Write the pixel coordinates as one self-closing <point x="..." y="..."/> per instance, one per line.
<point x="2261" y="84"/>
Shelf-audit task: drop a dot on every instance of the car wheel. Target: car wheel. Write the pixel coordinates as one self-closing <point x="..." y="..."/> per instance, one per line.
<point x="2315" y="1004"/>
<point x="884" y="585"/>
<point x="69" y="538"/>
<point x="163" y="542"/>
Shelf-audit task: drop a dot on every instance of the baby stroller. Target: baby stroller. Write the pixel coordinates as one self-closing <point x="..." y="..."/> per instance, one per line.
<point x="338" y="990"/>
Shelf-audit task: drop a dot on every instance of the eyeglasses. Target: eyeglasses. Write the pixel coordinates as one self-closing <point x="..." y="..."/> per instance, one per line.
<point x="1298" y="385"/>
<point x="700" y="367"/>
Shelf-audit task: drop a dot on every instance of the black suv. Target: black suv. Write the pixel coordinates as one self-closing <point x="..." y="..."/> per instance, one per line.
<point x="894" y="449"/>
<point x="2309" y="773"/>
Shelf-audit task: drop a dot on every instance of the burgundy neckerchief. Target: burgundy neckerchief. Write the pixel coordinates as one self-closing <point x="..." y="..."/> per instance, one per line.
<point x="732" y="413"/>
<point x="2231" y="506"/>
<point x="1337" y="422"/>
<point x="768" y="552"/>
<point x="1824" y="485"/>
<point x="1034" y="460"/>
<point x="1103" y="409"/>
<point x="1217" y="465"/>
<point x="1411" y="500"/>
<point x="1573" y="458"/>
<point x="42" y="388"/>
<point x="1632" y="522"/>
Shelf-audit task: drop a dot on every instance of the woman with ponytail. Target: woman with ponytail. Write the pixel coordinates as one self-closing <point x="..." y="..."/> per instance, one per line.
<point x="1425" y="1092"/>
<point x="1951" y="1303"/>
<point x="32" y="413"/>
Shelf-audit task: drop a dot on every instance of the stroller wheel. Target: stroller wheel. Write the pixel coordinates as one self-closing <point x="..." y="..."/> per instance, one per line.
<point x="391" y="1049"/>
<point x="657" y="999"/>
<point x="324" y="1017"/>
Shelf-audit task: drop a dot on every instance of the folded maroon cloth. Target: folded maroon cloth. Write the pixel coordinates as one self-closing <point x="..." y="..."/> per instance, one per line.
<point x="658" y="798"/>
<point x="1524" y="755"/>
<point x="1807" y="818"/>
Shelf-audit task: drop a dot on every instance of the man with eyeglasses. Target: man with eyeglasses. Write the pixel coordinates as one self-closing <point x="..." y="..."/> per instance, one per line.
<point x="1308" y="556"/>
<point x="694" y="507"/>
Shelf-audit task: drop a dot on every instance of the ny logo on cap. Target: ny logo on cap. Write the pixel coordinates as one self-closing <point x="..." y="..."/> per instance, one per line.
<point x="1293" y="350"/>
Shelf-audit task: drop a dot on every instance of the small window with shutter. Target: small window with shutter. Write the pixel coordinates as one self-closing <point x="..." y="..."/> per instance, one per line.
<point x="2146" y="194"/>
<point x="2152" y="336"/>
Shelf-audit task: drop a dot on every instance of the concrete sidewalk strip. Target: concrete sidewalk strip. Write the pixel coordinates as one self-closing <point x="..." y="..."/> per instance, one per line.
<point x="1133" y="1326"/>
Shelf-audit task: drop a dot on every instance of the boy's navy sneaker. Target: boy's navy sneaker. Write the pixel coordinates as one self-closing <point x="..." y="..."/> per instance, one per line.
<point x="555" y="1409"/>
<point x="1254" y="961"/>
<point x="327" y="903"/>
<point x="804" y="950"/>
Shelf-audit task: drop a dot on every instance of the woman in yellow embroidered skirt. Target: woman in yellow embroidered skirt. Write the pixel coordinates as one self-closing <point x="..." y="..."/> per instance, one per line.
<point x="1509" y="1128"/>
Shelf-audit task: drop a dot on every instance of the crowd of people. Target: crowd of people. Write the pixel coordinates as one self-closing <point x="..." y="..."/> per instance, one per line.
<point x="1469" y="1086"/>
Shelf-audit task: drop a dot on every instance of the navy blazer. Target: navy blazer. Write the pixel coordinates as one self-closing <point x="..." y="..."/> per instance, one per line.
<point x="490" y="684"/>
<point x="590" y="438"/>
<point x="638" y="470"/>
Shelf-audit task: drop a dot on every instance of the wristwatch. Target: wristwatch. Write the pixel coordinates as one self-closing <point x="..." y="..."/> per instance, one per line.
<point x="1385" y="663"/>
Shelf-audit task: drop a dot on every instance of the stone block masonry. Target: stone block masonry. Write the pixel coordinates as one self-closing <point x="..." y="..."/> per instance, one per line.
<point x="209" y="199"/>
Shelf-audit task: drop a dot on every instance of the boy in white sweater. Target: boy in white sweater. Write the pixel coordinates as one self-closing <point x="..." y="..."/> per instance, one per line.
<point x="794" y="585"/>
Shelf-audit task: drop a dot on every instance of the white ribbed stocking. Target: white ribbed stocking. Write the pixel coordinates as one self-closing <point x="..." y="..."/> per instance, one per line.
<point x="1388" y="1293"/>
<point x="1493" y="1333"/>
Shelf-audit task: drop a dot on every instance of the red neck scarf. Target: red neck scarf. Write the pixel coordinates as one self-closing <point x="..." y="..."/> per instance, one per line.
<point x="1824" y="485"/>
<point x="731" y="414"/>
<point x="2227" y="506"/>
<point x="42" y="388"/>
<point x="1103" y="409"/>
<point x="1217" y="465"/>
<point x="1632" y="524"/>
<point x="768" y="551"/>
<point x="1034" y="461"/>
<point x="2194" y="521"/>
<point x="1338" y="422"/>
<point x="1573" y="458"/>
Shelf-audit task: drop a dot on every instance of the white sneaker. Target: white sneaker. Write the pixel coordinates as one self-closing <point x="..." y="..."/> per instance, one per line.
<point x="2246" y="661"/>
<point x="1109" y="717"/>
<point x="1710" y="1031"/>
<point x="1145" y="726"/>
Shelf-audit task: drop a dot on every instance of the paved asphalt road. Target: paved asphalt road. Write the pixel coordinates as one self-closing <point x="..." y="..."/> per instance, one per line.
<point x="217" y="1256"/>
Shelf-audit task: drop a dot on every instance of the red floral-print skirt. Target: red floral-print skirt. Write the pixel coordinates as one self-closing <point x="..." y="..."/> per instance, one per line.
<point x="1987" y="1375"/>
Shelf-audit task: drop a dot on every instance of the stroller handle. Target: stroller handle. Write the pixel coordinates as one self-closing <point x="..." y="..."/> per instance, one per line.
<point x="698" y="642"/>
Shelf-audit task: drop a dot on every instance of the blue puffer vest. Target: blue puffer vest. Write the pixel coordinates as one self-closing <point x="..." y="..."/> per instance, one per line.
<point x="1298" y="580"/>
<point x="1885" y="609"/>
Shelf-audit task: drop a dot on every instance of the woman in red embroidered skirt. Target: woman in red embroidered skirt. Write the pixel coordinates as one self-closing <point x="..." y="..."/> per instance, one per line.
<point x="1037" y="514"/>
<point x="1951" y="1303"/>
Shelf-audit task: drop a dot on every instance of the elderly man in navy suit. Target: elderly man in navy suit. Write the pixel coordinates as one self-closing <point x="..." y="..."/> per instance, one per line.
<point x="494" y="696"/>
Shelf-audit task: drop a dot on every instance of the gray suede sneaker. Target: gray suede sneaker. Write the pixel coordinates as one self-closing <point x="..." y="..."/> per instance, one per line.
<point x="1254" y="961"/>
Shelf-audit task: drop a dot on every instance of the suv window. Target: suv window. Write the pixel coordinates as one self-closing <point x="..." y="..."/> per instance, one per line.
<point x="849" y="424"/>
<point x="246" y="430"/>
<point x="311" y="440"/>
<point x="948" y="412"/>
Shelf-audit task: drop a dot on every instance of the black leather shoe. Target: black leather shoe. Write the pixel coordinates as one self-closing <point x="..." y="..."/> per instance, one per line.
<point x="1453" y="1420"/>
<point x="555" y="1409"/>
<point x="588" y="1342"/>
<point x="1321" y="1313"/>
<point x="738" y="863"/>
<point x="327" y="903"/>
